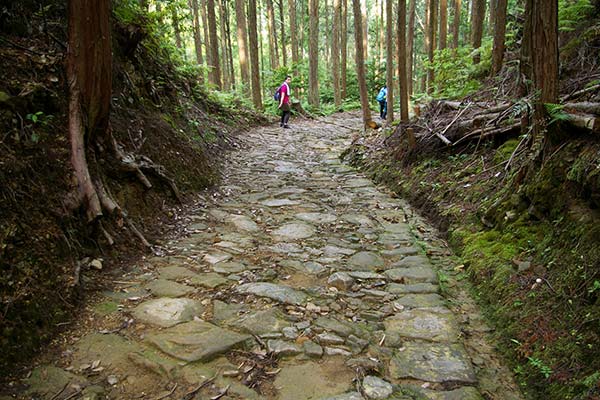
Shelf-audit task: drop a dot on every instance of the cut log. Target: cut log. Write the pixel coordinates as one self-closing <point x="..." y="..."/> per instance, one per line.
<point x="412" y="141"/>
<point x="443" y="138"/>
<point x="586" y="107"/>
<point x="589" y="123"/>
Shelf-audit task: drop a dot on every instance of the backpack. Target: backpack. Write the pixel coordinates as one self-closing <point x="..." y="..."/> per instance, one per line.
<point x="277" y="95"/>
<point x="381" y="95"/>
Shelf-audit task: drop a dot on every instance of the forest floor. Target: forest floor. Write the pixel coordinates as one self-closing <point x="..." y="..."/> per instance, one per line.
<point x="296" y="278"/>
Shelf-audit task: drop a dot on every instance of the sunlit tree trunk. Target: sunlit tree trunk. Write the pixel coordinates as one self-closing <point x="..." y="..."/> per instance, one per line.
<point x="403" y="62"/>
<point x="197" y="36"/>
<point x="389" y="9"/>
<point x="207" y="51"/>
<point x="344" y="49"/>
<point x="365" y="27"/>
<point x="360" y="64"/>
<point x="492" y="16"/>
<point x="282" y="32"/>
<point x="294" y="40"/>
<point x="215" y="72"/>
<point x="335" y="52"/>
<point x="229" y="46"/>
<point x="224" y="53"/>
<point x="443" y="24"/>
<point x="382" y="31"/>
<point x="456" y="24"/>
<point x="477" y="17"/>
<point x="242" y="37"/>
<point x="499" y="33"/>
<point x="253" y="41"/>
<point x="431" y="42"/>
<point x="272" y="29"/>
<point x="313" y="53"/>
<point x="410" y="41"/>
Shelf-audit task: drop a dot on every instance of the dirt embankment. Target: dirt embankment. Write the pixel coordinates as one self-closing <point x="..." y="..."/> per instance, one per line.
<point x="158" y="112"/>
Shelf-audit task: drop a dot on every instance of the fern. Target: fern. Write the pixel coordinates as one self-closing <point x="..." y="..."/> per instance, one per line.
<point x="571" y="12"/>
<point x="556" y="112"/>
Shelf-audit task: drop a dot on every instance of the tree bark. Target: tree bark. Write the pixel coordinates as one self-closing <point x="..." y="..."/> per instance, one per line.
<point x="402" y="61"/>
<point x="272" y="29"/>
<point x="282" y="31"/>
<point x="431" y="27"/>
<point x="176" y="29"/>
<point x="365" y="28"/>
<point x="242" y="37"/>
<point x="360" y="64"/>
<point x="214" y="74"/>
<point x="443" y="24"/>
<point x="89" y="74"/>
<point x="544" y="50"/>
<point x="456" y="24"/>
<point x="492" y="16"/>
<point x="207" y="39"/>
<point x="477" y="17"/>
<point x="499" y="33"/>
<point x="344" y="49"/>
<point x="229" y="46"/>
<point x="389" y="9"/>
<point x="410" y="46"/>
<point x="293" y="35"/>
<point x="253" y="40"/>
<point x="335" y="52"/>
<point x="226" y="74"/>
<point x="313" y="53"/>
<point x="197" y="36"/>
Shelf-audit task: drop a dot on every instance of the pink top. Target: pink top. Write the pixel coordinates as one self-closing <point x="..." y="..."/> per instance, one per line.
<point x="285" y="93"/>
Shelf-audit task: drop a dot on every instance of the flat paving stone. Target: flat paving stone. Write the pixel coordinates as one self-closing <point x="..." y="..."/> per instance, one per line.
<point x="365" y="260"/>
<point x="396" y="288"/>
<point x="175" y="273"/>
<point x="165" y="288"/>
<point x="280" y="293"/>
<point x="316" y="217"/>
<point x="423" y="324"/>
<point x="167" y="311"/>
<point x="261" y="322"/>
<point x="294" y="231"/>
<point x="412" y="275"/>
<point x="244" y="223"/>
<point x="425" y="300"/>
<point x="432" y="362"/>
<point x="209" y="280"/>
<point x="196" y="341"/>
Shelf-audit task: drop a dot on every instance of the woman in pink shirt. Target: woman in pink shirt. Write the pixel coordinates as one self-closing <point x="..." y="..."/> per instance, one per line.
<point x="284" y="102"/>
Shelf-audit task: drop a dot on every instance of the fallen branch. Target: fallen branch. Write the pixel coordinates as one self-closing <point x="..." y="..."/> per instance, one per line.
<point x="580" y="92"/>
<point x="482" y="134"/>
<point x="586" y="107"/>
<point x="190" y="395"/>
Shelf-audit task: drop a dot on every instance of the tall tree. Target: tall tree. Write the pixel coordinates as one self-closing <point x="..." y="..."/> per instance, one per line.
<point x="477" y="17"/>
<point x="176" y="29"/>
<point x="365" y="27"/>
<point x="360" y="64"/>
<point x="344" y="49"/>
<point x="443" y="24"/>
<point x="544" y="39"/>
<point x="242" y="36"/>
<point x="389" y="9"/>
<point x="272" y="29"/>
<point x="492" y="16"/>
<point x="282" y="32"/>
<point x="224" y="53"/>
<point x="207" y="38"/>
<point x="89" y="74"/>
<point x="410" y="42"/>
<point x="229" y="47"/>
<point x="253" y="40"/>
<point x="499" y="33"/>
<point x="313" y="53"/>
<point x="335" y="52"/>
<point x="214" y="75"/>
<point x="456" y="23"/>
<point x="294" y="39"/>
<point x="403" y="61"/>
<point x="431" y="33"/>
<point x="197" y="36"/>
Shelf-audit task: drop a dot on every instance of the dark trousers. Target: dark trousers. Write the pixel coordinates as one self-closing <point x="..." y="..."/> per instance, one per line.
<point x="383" y="109"/>
<point x="285" y="114"/>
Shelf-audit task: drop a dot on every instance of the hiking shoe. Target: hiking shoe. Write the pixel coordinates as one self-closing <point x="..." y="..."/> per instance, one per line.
<point x="286" y="126"/>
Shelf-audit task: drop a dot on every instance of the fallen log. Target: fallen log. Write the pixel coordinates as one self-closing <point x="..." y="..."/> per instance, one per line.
<point x="586" y="122"/>
<point x="586" y="107"/>
<point x="488" y="133"/>
<point x="580" y="92"/>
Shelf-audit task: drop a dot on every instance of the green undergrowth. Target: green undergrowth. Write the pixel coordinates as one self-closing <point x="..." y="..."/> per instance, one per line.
<point x="529" y="238"/>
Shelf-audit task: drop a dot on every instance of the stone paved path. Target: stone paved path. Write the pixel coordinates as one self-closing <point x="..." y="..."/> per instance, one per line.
<point x="299" y="278"/>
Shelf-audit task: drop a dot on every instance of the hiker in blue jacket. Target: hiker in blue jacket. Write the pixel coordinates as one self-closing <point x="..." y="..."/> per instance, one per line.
<point x="382" y="99"/>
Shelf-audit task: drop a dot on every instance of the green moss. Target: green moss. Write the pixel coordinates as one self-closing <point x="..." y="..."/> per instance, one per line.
<point x="504" y="152"/>
<point x="106" y="307"/>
